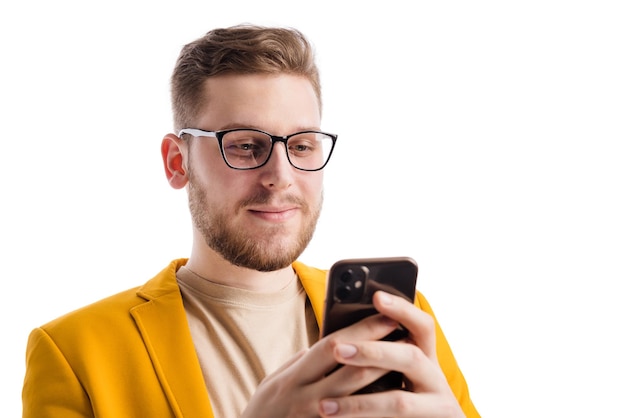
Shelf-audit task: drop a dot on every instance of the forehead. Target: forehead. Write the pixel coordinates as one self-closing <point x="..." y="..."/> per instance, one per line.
<point x="259" y="100"/>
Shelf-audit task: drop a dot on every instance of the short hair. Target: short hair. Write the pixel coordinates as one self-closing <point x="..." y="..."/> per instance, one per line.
<point x="241" y="49"/>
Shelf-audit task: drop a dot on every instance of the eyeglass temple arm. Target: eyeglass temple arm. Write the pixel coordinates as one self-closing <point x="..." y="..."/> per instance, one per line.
<point x="196" y="132"/>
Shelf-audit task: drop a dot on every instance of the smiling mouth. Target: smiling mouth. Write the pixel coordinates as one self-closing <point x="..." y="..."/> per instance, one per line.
<point x="272" y="210"/>
<point x="274" y="214"/>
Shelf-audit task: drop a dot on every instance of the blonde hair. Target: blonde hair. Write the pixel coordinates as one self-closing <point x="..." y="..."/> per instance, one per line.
<point x="241" y="49"/>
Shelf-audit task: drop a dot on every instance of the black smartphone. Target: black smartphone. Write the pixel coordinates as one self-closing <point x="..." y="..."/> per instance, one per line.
<point x="349" y="290"/>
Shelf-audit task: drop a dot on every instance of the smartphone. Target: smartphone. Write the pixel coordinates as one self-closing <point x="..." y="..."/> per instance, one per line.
<point x="349" y="290"/>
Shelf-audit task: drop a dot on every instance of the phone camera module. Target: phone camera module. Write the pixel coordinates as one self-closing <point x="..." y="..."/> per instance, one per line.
<point x="351" y="284"/>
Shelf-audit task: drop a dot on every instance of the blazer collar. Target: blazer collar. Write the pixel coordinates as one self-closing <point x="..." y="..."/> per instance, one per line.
<point x="314" y="282"/>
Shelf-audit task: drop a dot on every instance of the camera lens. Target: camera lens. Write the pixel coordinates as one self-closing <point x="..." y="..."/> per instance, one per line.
<point x="346" y="276"/>
<point x="342" y="293"/>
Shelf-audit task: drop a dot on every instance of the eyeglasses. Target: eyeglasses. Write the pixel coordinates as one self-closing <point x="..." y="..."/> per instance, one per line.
<point x="246" y="149"/>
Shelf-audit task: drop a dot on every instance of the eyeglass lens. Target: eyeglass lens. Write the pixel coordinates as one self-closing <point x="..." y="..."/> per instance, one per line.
<point x="250" y="149"/>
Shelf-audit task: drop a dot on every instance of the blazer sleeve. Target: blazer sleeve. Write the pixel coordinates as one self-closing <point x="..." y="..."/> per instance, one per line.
<point x="51" y="388"/>
<point x="448" y="364"/>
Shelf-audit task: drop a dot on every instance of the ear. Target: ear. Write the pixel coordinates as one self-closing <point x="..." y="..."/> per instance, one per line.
<point x="174" y="153"/>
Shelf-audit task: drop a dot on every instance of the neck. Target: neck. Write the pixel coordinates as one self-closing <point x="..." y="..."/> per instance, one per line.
<point x="208" y="264"/>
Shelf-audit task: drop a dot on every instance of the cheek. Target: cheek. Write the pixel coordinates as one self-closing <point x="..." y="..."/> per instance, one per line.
<point x="314" y="185"/>
<point x="224" y="189"/>
<point x="213" y="181"/>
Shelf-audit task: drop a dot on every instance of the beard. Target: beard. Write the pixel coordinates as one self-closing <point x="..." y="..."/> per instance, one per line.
<point x="271" y="249"/>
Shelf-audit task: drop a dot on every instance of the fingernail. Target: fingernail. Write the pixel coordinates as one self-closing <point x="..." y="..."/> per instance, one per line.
<point x="330" y="407"/>
<point x="346" y="350"/>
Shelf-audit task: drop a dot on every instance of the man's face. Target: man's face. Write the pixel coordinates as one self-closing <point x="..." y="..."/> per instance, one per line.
<point x="264" y="218"/>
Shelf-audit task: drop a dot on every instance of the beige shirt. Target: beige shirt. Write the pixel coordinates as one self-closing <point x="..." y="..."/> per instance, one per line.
<point x="241" y="336"/>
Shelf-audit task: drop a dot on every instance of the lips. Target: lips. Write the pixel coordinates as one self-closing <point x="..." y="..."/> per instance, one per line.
<point x="274" y="214"/>
<point x="272" y="209"/>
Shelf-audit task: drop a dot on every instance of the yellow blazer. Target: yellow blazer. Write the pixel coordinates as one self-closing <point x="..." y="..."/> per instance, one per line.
<point x="131" y="355"/>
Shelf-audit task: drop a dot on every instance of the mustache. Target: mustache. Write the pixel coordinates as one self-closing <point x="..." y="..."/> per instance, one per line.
<point x="263" y="197"/>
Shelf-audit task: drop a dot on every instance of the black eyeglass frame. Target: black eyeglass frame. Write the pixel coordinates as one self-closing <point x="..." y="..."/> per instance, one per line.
<point x="219" y="135"/>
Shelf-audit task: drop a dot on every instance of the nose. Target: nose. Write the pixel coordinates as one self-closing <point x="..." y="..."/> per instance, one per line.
<point x="278" y="172"/>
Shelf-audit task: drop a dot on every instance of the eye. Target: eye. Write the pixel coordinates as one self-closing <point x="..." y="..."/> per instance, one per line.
<point x="303" y="144"/>
<point x="301" y="147"/>
<point x="245" y="146"/>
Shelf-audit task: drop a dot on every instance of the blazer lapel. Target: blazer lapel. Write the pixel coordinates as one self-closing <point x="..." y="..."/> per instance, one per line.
<point x="163" y="326"/>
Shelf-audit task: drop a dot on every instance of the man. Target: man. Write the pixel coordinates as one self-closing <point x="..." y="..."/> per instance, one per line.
<point x="234" y="330"/>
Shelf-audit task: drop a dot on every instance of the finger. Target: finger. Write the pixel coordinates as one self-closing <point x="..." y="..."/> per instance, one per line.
<point x="373" y="327"/>
<point x="316" y="362"/>
<point x="421" y="373"/>
<point x="348" y="379"/>
<point x="397" y="403"/>
<point x="420" y="325"/>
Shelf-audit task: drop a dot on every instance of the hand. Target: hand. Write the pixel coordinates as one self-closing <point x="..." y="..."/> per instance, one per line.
<point x="427" y="394"/>
<point x="297" y="388"/>
<point x="303" y="388"/>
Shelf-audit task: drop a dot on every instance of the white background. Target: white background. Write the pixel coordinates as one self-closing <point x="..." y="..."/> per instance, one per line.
<point x="483" y="138"/>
